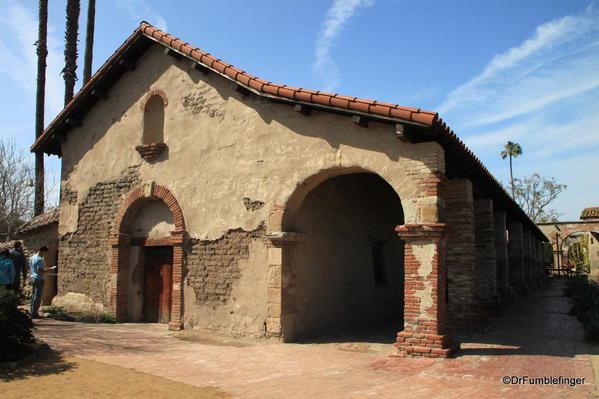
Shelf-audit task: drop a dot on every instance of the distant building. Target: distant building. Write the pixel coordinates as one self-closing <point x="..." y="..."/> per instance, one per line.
<point x="563" y="234"/>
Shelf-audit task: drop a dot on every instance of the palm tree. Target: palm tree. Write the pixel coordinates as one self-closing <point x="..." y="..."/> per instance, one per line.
<point x="511" y="150"/>
<point x="42" y="54"/>
<point x="89" y="41"/>
<point x="69" y="72"/>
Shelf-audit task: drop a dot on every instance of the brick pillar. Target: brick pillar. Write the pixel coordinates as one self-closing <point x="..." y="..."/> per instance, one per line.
<point x="465" y="312"/>
<point x="516" y="259"/>
<point x="119" y="275"/>
<point x="504" y="289"/>
<point x="527" y="255"/>
<point x="281" y="295"/>
<point x="425" y="310"/>
<point x="176" y="322"/>
<point x="541" y="261"/>
<point x="485" y="261"/>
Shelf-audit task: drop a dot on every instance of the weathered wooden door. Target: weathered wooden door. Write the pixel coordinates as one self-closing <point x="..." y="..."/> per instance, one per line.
<point x="157" y="284"/>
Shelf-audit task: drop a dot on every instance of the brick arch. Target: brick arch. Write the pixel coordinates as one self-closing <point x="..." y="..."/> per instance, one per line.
<point x="159" y="93"/>
<point x="282" y="216"/>
<point x="283" y="247"/>
<point x="120" y="242"/>
<point x="148" y="191"/>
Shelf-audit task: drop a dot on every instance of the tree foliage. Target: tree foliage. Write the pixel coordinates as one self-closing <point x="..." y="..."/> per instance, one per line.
<point x="511" y="150"/>
<point x="535" y="193"/>
<point x="16" y="191"/>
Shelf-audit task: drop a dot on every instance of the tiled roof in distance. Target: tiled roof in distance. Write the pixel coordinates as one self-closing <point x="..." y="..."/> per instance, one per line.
<point x="590" y="213"/>
<point x="38" y="222"/>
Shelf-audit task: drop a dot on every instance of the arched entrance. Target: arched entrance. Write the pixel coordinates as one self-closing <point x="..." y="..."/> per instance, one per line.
<point x="147" y="257"/>
<point x="345" y="271"/>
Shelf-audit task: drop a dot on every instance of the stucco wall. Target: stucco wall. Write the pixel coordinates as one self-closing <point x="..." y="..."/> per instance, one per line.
<point x="225" y="151"/>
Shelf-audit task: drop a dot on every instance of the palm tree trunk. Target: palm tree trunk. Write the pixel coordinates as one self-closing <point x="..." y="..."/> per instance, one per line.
<point x="42" y="54"/>
<point x="511" y="177"/>
<point x="69" y="72"/>
<point x="89" y="41"/>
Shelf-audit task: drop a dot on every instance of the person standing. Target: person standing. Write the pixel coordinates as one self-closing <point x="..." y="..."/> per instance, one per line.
<point x="7" y="270"/>
<point x="20" y="261"/>
<point x="38" y="269"/>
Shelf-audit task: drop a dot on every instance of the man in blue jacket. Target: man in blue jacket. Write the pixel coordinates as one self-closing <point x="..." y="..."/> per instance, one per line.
<point x="38" y="269"/>
<point x="7" y="270"/>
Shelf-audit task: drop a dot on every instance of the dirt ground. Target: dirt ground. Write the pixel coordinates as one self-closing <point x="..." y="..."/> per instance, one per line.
<point x="51" y="376"/>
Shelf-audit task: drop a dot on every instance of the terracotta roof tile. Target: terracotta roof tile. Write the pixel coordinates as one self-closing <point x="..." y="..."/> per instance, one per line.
<point x="590" y="213"/>
<point x="38" y="222"/>
<point x="382" y="109"/>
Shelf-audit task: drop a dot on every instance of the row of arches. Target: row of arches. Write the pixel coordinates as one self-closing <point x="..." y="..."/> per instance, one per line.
<point x="348" y="268"/>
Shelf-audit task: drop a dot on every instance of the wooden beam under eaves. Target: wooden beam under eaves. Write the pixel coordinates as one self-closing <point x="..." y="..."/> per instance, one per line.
<point x="126" y="64"/>
<point x="199" y="67"/>
<point x="73" y="122"/>
<point x="360" y="120"/>
<point x="401" y="132"/>
<point x="172" y="53"/>
<point x="302" y="109"/>
<point x="244" y="91"/>
<point x="99" y="94"/>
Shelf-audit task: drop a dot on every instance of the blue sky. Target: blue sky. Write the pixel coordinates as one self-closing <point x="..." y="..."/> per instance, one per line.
<point x="496" y="70"/>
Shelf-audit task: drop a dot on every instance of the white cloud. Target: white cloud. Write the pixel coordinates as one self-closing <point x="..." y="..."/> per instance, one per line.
<point x="139" y="10"/>
<point x="543" y="94"/>
<point x="336" y="18"/>
<point x="557" y="62"/>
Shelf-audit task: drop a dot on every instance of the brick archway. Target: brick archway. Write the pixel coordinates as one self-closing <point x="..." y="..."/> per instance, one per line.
<point x="120" y="242"/>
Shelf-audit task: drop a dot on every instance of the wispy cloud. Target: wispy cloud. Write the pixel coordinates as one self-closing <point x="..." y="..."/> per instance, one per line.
<point x="543" y="94"/>
<point x="336" y="18"/>
<point x="558" y="61"/>
<point x="19" y="60"/>
<point x="139" y="10"/>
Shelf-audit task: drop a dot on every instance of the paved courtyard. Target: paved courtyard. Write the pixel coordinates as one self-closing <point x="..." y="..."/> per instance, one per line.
<point x="536" y="339"/>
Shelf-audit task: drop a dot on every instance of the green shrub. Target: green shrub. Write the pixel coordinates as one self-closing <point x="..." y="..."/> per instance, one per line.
<point x="585" y="303"/>
<point x="15" y="327"/>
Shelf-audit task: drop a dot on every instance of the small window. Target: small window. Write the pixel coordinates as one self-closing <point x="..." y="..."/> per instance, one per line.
<point x="378" y="263"/>
<point x="154" y="120"/>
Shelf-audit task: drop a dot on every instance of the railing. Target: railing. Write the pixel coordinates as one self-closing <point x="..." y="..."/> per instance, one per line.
<point x="560" y="273"/>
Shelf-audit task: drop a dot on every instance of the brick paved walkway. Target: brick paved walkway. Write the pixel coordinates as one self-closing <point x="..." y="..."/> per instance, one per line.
<point x="537" y="338"/>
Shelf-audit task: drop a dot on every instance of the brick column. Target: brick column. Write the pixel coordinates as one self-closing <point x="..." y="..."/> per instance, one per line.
<point x="504" y="289"/>
<point x="527" y="255"/>
<point x="281" y="295"/>
<point x="119" y="275"/>
<point x="176" y="322"/>
<point x="541" y="261"/>
<point x="425" y="310"/>
<point x="516" y="259"/>
<point x="464" y="309"/>
<point x="485" y="261"/>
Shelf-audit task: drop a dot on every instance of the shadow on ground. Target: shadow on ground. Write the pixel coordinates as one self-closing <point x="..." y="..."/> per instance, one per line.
<point x="537" y="325"/>
<point x="45" y="363"/>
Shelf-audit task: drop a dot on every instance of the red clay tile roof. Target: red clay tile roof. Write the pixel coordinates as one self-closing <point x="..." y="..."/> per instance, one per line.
<point x="39" y="222"/>
<point x="454" y="147"/>
<point x="291" y="93"/>
<point x="590" y="213"/>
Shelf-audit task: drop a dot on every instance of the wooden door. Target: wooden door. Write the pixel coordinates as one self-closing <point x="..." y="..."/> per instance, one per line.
<point x="157" y="284"/>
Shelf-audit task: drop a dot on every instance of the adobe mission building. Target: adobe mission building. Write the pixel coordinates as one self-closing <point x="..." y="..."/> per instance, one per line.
<point x="198" y="195"/>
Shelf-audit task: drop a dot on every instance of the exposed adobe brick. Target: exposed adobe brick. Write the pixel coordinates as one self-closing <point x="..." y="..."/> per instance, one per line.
<point x="464" y="308"/>
<point x="504" y="288"/>
<point x="424" y="327"/>
<point x="213" y="265"/>
<point x="516" y="258"/>
<point x="486" y="263"/>
<point x="96" y="214"/>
